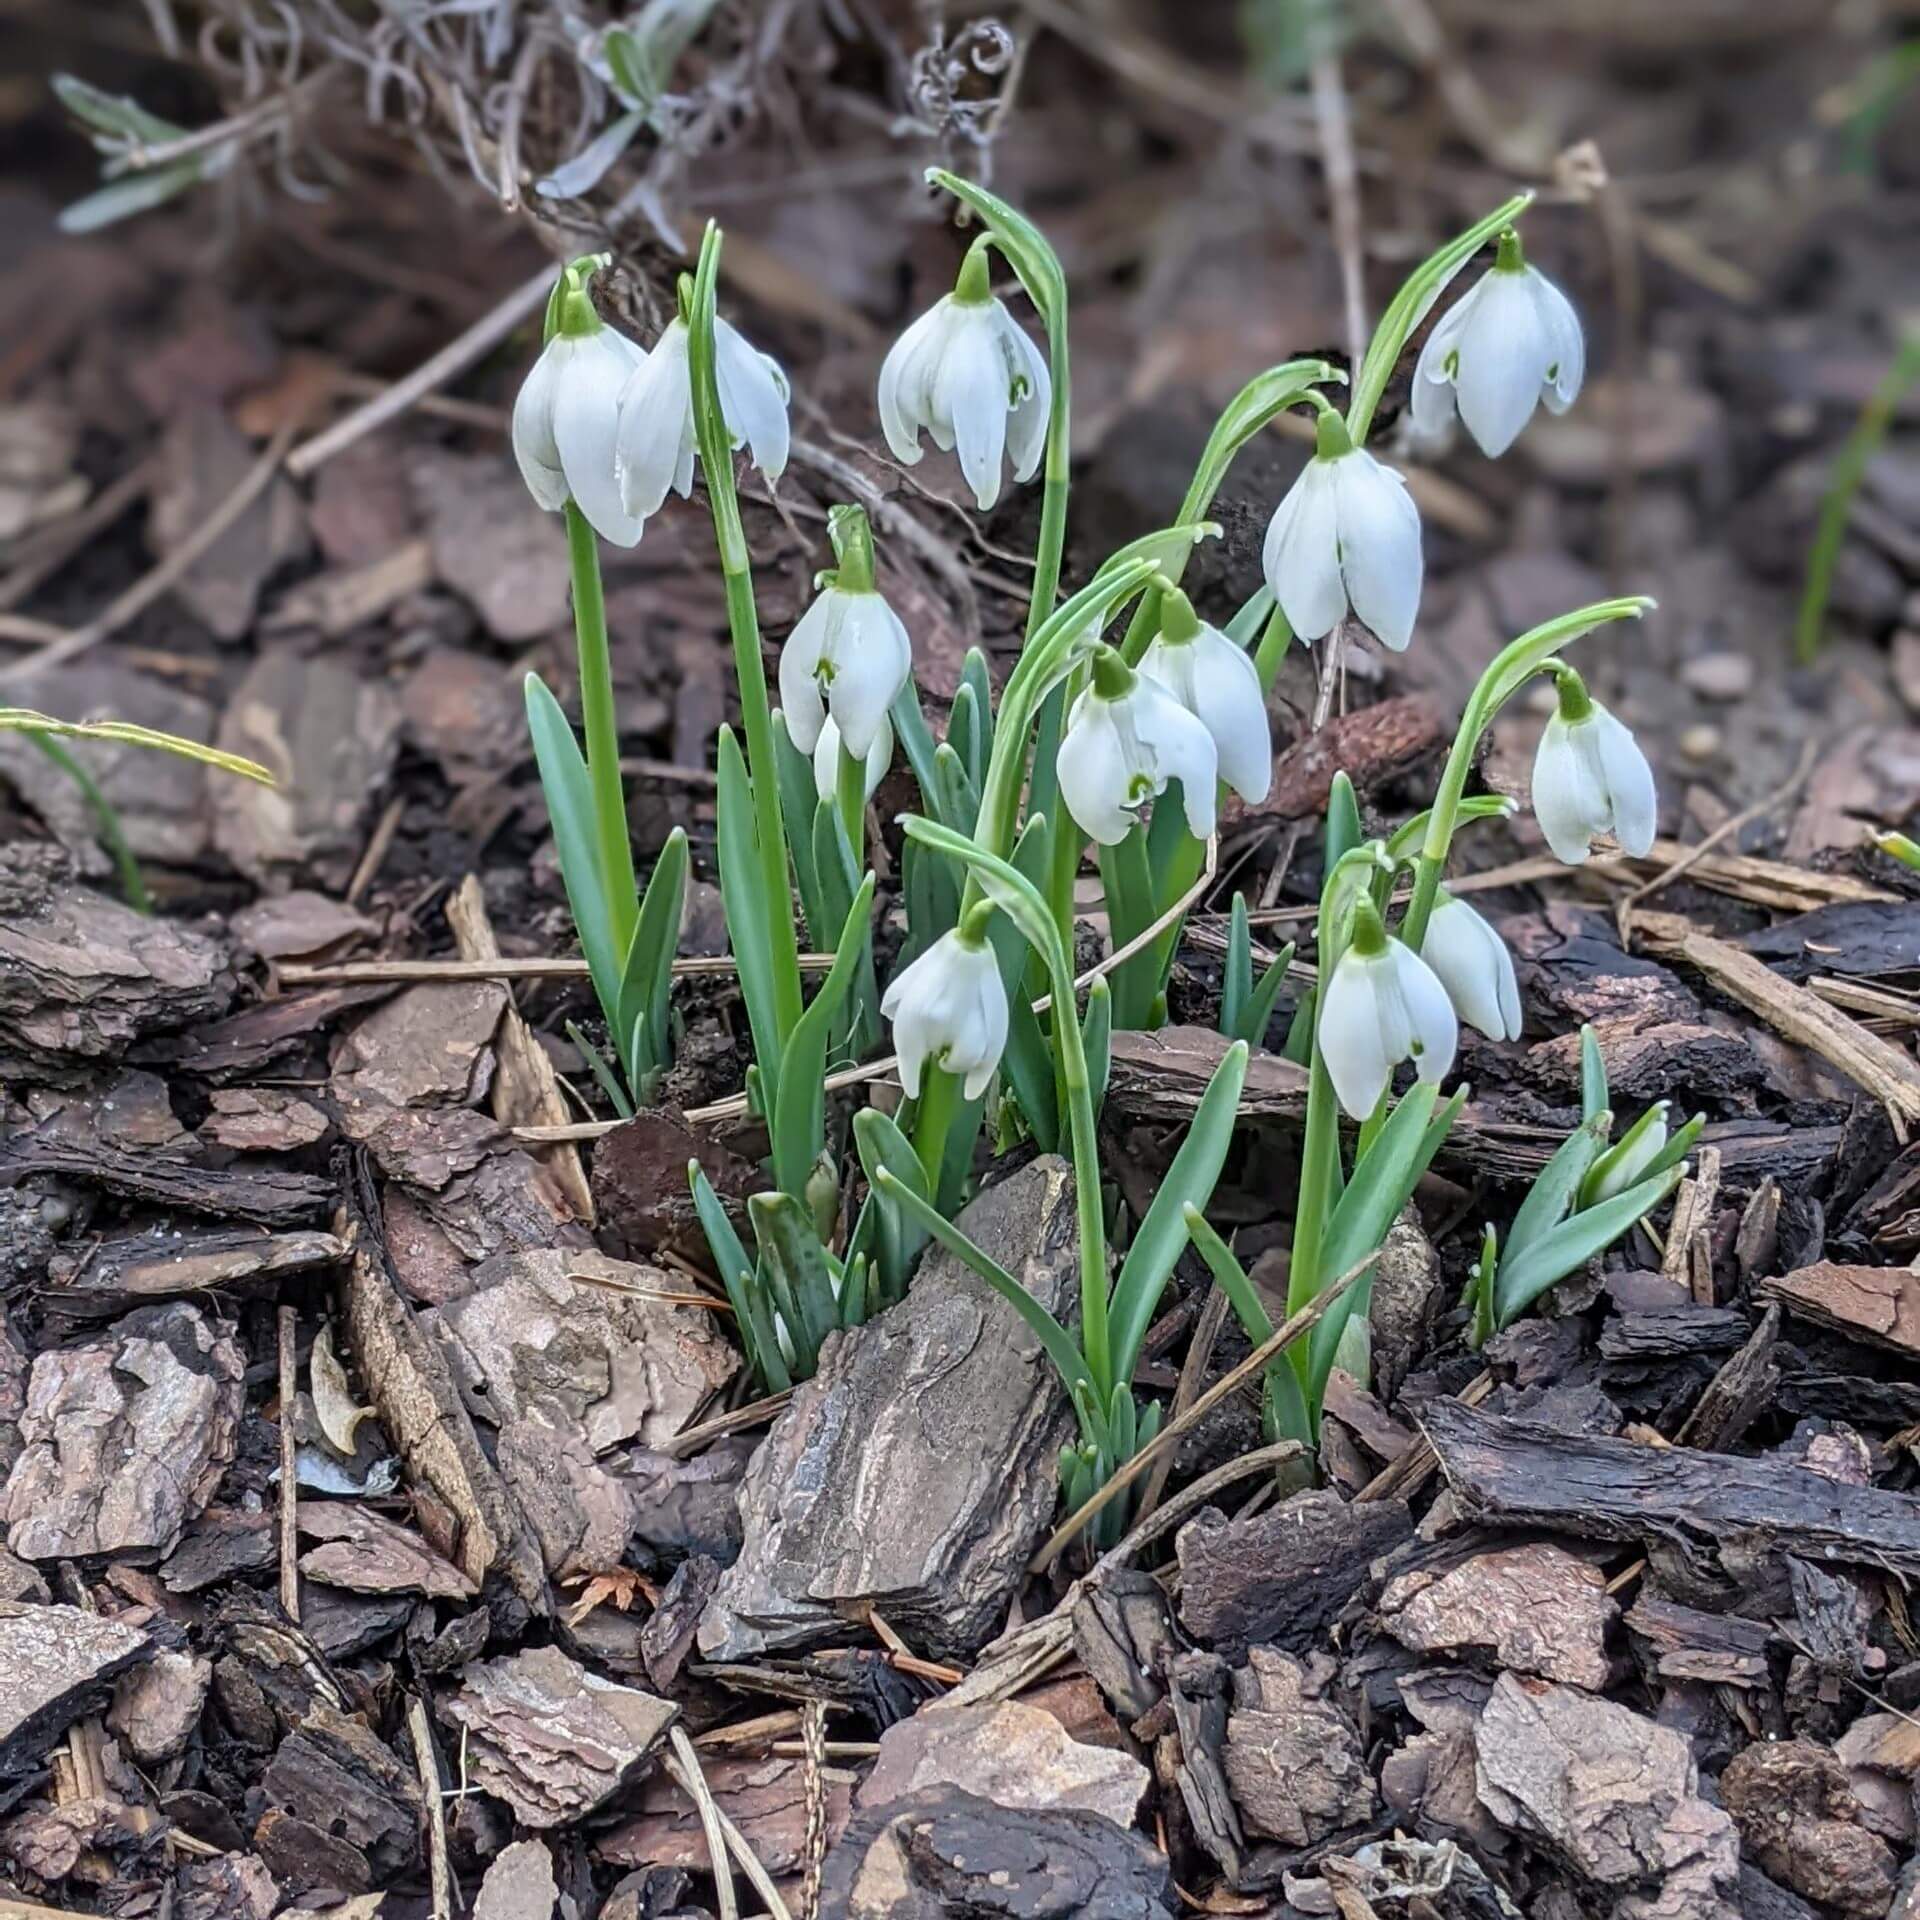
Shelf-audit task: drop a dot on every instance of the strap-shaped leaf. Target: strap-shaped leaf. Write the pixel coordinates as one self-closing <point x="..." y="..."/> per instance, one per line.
<point x="125" y="733"/>
<point x="799" y="1108"/>
<point x="798" y="798"/>
<point x="1096" y="1040"/>
<point x="794" y="1265"/>
<point x="1066" y="1357"/>
<point x="1260" y="1003"/>
<point x="1594" y="1097"/>
<point x="1526" y="1276"/>
<point x="749" y="931"/>
<point x="1189" y="1182"/>
<point x="881" y="1144"/>
<point x="750" y="1311"/>
<point x="1010" y="890"/>
<point x="1551" y="1197"/>
<point x="1287" y="1411"/>
<point x="1236" y="985"/>
<point x="646" y="979"/>
<point x="917" y="742"/>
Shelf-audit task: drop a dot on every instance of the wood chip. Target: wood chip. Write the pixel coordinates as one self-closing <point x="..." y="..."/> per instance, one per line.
<point x="1880" y="1305"/>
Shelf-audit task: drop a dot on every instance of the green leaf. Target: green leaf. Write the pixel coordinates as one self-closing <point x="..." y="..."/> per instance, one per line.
<point x="1551" y="1197"/>
<point x="1525" y="1277"/>
<point x="1298" y="1045"/>
<point x="751" y="1315"/>
<point x="1066" y="1357"/>
<point x="602" y="1069"/>
<point x="959" y="798"/>
<point x="1011" y="891"/>
<point x="799" y="1109"/>
<point x="1286" y="1406"/>
<point x="1236" y="986"/>
<point x="917" y="742"/>
<point x="646" y="982"/>
<point x="881" y="1144"/>
<point x="1594" y="1099"/>
<point x="1483" y="1323"/>
<point x="1260" y="1003"/>
<point x="749" y="930"/>
<point x="136" y="193"/>
<point x="1344" y="831"/>
<point x="1130" y="911"/>
<point x="1189" y="1182"/>
<point x="794" y="1265"/>
<point x="1096" y="1039"/>
<point x="798" y="799"/>
<point x="115" y="114"/>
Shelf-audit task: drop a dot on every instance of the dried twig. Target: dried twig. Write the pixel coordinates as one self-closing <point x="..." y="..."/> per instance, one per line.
<point x="289" y="1327"/>
<point x="686" y="1774"/>
<point x="440" y="1872"/>
<point x="694" y="1783"/>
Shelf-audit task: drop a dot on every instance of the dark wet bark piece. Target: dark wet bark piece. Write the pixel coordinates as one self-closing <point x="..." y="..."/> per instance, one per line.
<point x="764" y="1796"/>
<point x="640" y="1187"/>
<point x="225" y="1543"/>
<point x="113" y="1275"/>
<point x="946" y="1401"/>
<point x="82" y="977"/>
<point x="1861" y="939"/>
<point x="1683" y="1643"/>
<point x="1799" y="1819"/>
<point x="125" y="1437"/>
<point x="1200" y="1694"/>
<point x="946" y="1855"/>
<point x="1373" y="745"/>
<point x="667" y="1640"/>
<point x="1517" y="1474"/>
<point x="551" y="1739"/>
<point x="335" y="1773"/>
<point x="1279" y="1577"/>
<point x="265" y="1195"/>
<point x="1672" y="1333"/>
<point x="1123" y="1633"/>
<point x="1879" y="1305"/>
<point x="250" y="1041"/>
<point x="55" y="1664"/>
<point x="1734" y="1398"/>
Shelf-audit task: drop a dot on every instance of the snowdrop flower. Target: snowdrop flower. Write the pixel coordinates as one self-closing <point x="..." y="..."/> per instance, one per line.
<point x="1126" y="737"/>
<point x="1384" y="1005"/>
<point x="848" y="654"/>
<point x="654" y="442"/>
<point x="1475" y="967"/>
<point x="826" y="759"/>
<point x="1219" y="685"/>
<point x="1628" y="1163"/>
<point x="1590" y="777"/>
<point x="1347" y="536"/>
<point x="563" y="417"/>
<point x="1513" y="341"/>
<point x="968" y="374"/>
<point x="950" y="1009"/>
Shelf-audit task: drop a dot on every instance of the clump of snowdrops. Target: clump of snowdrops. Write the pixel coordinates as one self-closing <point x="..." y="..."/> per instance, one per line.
<point x="1125" y="719"/>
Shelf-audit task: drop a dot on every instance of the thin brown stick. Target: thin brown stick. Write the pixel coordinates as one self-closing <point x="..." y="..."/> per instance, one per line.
<point x="150" y="586"/>
<point x="694" y="1783"/>
<point x="289" y="1328"/>
<point x="369" y="973"/>
<point x="1193" y="1370"/>
<point x="1230" y="1382"/>
<point x="439" y="1871"/>
<point x="1335" y="128"/>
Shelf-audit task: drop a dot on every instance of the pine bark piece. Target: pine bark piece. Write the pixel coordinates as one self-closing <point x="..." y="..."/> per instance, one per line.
<point x="407" y="1378"/>
<point x="82" y="976"/>
<point x="947" y="1855"/>
<point x="1880" y="1305"/>
<point x="125" y="1438"/>
<point x="268" y="1196"/>
<point x="55" y="1664"/>
<point x="765" y="1797"/>
<point x="519" y="1885"/>
<point x="1537" y="1609"/>
<point x="1689" y="1503"/>
<point x="550" y="1738"/>
<point x="1799" y="1818"/>
<point x="365" y="1552"/>
<point x="1012" y="1754"/>
<point x="113" y="1275"/>
<point x="334" y="1773"/>
<point x="1293" y="1759"/>
<point x="1279" y="1577"/>
<point x="1611" y="1793"/>
<point x="1683" y="1643"/>
<point x="917" y="1470"/>
<point x="157" y="1706"/>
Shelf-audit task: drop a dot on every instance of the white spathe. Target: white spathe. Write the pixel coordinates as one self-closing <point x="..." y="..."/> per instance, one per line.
<point x="1628" y="1164"/>
<point x="563" y="428"/>
<point x="1382" y="1008"/>
<point x="1218" y="683"/>
<point x="1512" y="342"/>
<point x="1346" y="537"/>
<point x="1117" y="754"/>
<point x="1475" y="967"/>
<point x="848" y="655"/>
<point x="1590" y="778"/>
<point x="654" y="441"/>
<point x="826" y="759"/>
<point x="967" y="374"/>
<point x="949" y="1009"/>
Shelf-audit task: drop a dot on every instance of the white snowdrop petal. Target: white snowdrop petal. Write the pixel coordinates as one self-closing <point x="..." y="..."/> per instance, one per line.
<point x="1379" y="533"/>
<point x="1093" y="771"/>
<point x="903" y="381"/>
<point x="1432" y="406"/>
<point x="533" y="446"/>
<point x="872" y="658"/>
<point x="1027" y="423"/>
<point x="974" y="380"/>
<point x="586" y="414"/>
<point x="1303" y="554"/>
<point x="1566" y="802"/>
<point x="826" y="761"/>
<point x="1228" y="702"/>
<point x="1566" y="343"/>
<point x="655" y="432"/>
<point x="1181" y="749"/>
<point x="1476" y="969"/>
<point x="1348" y="1033"/>
<point x="1433" y="1027"/>
<point x="1502" y="360"/>
<point x="1629" y="781"/>
<point x="799" y="676"/>
<point x="753" y="399"/>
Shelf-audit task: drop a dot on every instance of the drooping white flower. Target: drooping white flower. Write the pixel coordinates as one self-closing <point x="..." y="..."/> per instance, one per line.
<point x="1589" y="778"/>
<point x="563" y="417"/>
<point x="1125" y="738"/>
<point x="1512" y="342"/>
<point x="1217" y="682"/>
<point x="949" y="1009"/>
<point x="826" y="759"/>
<point x="654" y="441"/>
<point x="848" y="654"/>
<point x="1629" y="1160"/>
<point x="969" y="375"/>
<point x="1346" y="537"/>
<point x="1475" y="967"/>
<point x="1383" y="1005"/>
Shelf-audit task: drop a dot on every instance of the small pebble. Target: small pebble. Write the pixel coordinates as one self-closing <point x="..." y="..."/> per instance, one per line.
<point x="1700" y="743"/>
<point x="1720" y="676"/>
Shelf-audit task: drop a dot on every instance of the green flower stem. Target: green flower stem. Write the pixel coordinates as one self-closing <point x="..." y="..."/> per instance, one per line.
<point x="933" y="1120"/>
<point x="1508" y="672"/>
<point x="601" y="727"/>
<point x="851" y="794"/>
